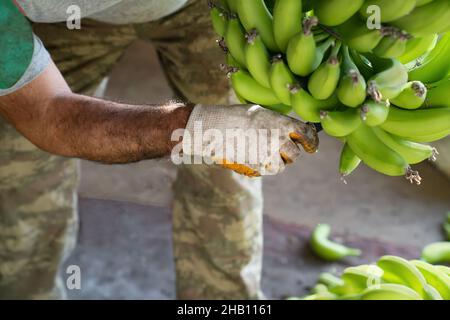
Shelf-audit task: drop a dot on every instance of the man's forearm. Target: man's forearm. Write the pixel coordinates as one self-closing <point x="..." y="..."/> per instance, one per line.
<point x="83" y="127"/>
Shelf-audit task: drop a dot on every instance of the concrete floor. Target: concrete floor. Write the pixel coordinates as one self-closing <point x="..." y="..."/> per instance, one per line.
<point x="125" y="256"/>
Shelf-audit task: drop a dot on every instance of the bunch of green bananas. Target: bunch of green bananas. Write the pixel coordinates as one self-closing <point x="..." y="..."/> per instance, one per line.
<point x="391" y="278"/>
<point x="383" y="92"/>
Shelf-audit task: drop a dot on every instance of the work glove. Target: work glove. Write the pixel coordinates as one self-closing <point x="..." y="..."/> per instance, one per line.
<point x="247" y="139"/>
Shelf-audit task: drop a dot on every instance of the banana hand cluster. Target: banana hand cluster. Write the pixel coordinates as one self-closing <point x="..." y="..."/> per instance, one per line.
<point x="391" y="278"/>
<point x="384" y="92"/>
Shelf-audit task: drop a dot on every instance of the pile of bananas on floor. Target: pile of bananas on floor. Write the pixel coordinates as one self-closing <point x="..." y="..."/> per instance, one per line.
<point x="391" y="278"/>
<point x="382" y="89"/>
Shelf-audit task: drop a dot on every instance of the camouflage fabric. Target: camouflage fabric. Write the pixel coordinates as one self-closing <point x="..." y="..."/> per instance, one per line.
<point x="38" y="219"/>
<point x="217" y="214"/>
<point x="443" y="162"/>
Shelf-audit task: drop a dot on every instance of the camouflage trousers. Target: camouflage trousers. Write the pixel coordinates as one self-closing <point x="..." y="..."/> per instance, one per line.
<point x="217" y="214"/>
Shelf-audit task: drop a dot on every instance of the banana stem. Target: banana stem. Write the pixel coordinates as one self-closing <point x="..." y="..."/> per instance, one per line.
<point x="321" y="37"/>
<point x="323" y="114"/>
<point x="213" y="4"/>
<point x="229" y="70"/>
<point x="251" y="36"/>
<point x="364" y="112"/>
<point x="395" y="32"/>
<point x="433" y="157"/>
<point x="331" y="32"/>
<point x="334" y="59"/>
<point x="222" y="44"/>
<point x="344" y="181"/>
<point x="372" y="91"/>
<point x="308" y="24"/>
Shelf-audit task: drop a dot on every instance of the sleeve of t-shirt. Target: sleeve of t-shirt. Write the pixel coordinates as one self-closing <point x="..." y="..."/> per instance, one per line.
<point x="22" y="55"/>
<point x="39" y="61"/>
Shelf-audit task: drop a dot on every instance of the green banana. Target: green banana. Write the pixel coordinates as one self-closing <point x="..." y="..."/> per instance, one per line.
<point x="235" y="40"/>
<point x="349" y="161"/>
<point x="389" y="79"/>
<point x="340" y="123"/>
<point x="320" y="297"/>
<point x="219" y="19"/>
<point x="429" y="138"/>
<point x="257" y="59"/>
<point x="280" y="108"/>
<point x="308" y="107"/>
<point x="434" y="277"/>
<point x="417" y="47"/>
<point x="438" y="94"/>
<point x="417" y="123"/>
<point x="390" y="9"/>
<point x="432" y="293"/>
<point x="328" y="250"/>
<point x="233" y="5"/>
<point x="320" y="289"/>
<point x="330" y="280"/>
<point x="241" y="100"/>
<point x="255" y="15"/>
<point x="323" y="82"/>
<point x="231" y="61"/>
<point x="357" y="36"/>
<point x="412" y="96"/>
<point x="438" y="252"/>
<point x="444" y="269"/>
<point x="336" y="12"/>
<point x="303" y="55"/>
<point x="389" y="291"/>
<point x="250" y="90"/>
<point x="320" y="37"/>
<point x="435" y="66"/>
<point x="422" y="2"/>
<point x="357" y="279"/>
<point x="352" y="86"/>
<point x="374" y="113"/>
<point x="321" y="292"/>
<point x="281" y="80"/>
<point x="412" y="152"/>
<point x="430" y="18"/>
<point x="400" y="271"/>
<point x="287" y="21"/>
<point x="370" y="149"/>
<point x="392" y="46"/>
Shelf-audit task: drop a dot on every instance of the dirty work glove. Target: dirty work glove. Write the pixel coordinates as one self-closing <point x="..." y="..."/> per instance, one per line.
<point x="248" y="139"/>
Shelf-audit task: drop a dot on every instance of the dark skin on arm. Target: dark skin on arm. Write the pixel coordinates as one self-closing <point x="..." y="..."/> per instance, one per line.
<point x="58" y="121"/>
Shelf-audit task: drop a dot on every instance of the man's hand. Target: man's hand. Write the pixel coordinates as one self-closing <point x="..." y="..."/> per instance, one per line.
<point x="248" y="139"/>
